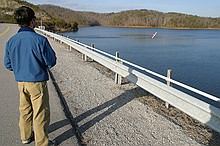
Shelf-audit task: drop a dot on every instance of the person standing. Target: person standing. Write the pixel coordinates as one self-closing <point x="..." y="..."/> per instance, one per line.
<point x="29" y="55"/>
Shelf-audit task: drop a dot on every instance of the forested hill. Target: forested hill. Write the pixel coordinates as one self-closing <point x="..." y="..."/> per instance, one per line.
<point x="56" y="18"/>
<point x="133" y="18"/>
<point x="7" y="8"/>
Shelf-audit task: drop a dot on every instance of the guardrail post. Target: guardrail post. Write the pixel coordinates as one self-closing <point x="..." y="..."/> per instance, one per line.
<point x="93" y="46"/>
<point x="70" y="48"/>
<point x="118" y="77"/>
<point x="169" y="75"/>
<point x="83" y="55"/>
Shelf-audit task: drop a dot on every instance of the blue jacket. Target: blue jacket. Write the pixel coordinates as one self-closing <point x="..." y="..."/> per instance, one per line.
<point x="29" y="55"/>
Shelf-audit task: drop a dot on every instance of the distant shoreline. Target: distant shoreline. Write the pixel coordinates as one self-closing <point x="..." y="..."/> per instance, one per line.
<point x="174" y="28"/>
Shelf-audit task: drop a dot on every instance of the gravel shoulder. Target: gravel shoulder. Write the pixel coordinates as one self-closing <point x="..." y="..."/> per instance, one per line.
<point x="110" y="114"/>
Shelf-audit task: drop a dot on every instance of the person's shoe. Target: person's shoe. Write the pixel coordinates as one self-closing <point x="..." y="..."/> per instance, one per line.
<point x="52" y="143"/>
<point x="28" y="140"/>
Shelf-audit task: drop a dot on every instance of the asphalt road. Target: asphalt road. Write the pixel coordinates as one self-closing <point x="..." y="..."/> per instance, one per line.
<point x="60" y="128"/>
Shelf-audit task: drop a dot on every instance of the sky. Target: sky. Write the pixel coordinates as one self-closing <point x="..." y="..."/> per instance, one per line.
<point x="204" y="8"/>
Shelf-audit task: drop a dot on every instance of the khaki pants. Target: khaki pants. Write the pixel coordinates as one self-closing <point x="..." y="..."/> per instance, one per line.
<point x="34" y="111"/>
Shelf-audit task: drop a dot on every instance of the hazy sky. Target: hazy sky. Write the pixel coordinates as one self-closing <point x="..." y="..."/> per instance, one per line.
<point x="207" y="8"/>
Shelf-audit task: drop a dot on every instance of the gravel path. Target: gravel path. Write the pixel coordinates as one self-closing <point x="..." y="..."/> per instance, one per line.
<point x="110" y="114"/>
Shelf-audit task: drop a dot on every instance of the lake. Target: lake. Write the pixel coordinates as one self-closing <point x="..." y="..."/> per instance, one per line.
<point x="193" y="55"/>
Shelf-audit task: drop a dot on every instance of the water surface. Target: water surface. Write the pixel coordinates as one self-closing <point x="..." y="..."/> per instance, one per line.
<point x="193" y="55"/>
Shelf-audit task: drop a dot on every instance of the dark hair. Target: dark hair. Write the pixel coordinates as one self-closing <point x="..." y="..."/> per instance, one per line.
<point x="23" y="16"/>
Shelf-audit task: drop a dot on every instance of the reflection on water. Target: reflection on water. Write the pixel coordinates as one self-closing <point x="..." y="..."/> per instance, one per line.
<point x="193" y="55"/>
<point x="96" y="37"/>
<point x="137" y="36"/>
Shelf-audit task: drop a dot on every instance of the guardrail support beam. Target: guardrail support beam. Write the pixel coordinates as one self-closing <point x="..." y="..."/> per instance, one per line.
<point x="84" y="57"/>
<point x="93" y="46"/>
<point x="118" y="77"/>
<point x="70" y="48"/>
<point x="169" y="75"/>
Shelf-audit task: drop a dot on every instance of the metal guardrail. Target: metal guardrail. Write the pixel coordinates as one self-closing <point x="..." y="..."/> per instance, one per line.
<point x="200" y="110"/>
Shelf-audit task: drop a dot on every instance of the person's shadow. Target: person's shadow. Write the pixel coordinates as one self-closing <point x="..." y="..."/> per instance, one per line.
<point x="70" y="119"/>
<point x="111" y="106"/>
<point x="64" y="136"/>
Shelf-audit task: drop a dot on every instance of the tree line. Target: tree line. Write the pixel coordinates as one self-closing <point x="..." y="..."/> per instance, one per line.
<point x="61" y="19"/>
<point x="142" y="18"/>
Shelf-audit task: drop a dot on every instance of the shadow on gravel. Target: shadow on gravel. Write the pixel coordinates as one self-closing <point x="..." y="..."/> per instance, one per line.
<point x="111" y="106"/>
<point x="215" y="138"/>
<point x="70" y="118"/>
<point x="64" y="136"/>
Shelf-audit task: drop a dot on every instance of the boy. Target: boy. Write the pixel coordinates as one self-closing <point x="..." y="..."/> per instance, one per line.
<point x="29" y="55"/>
